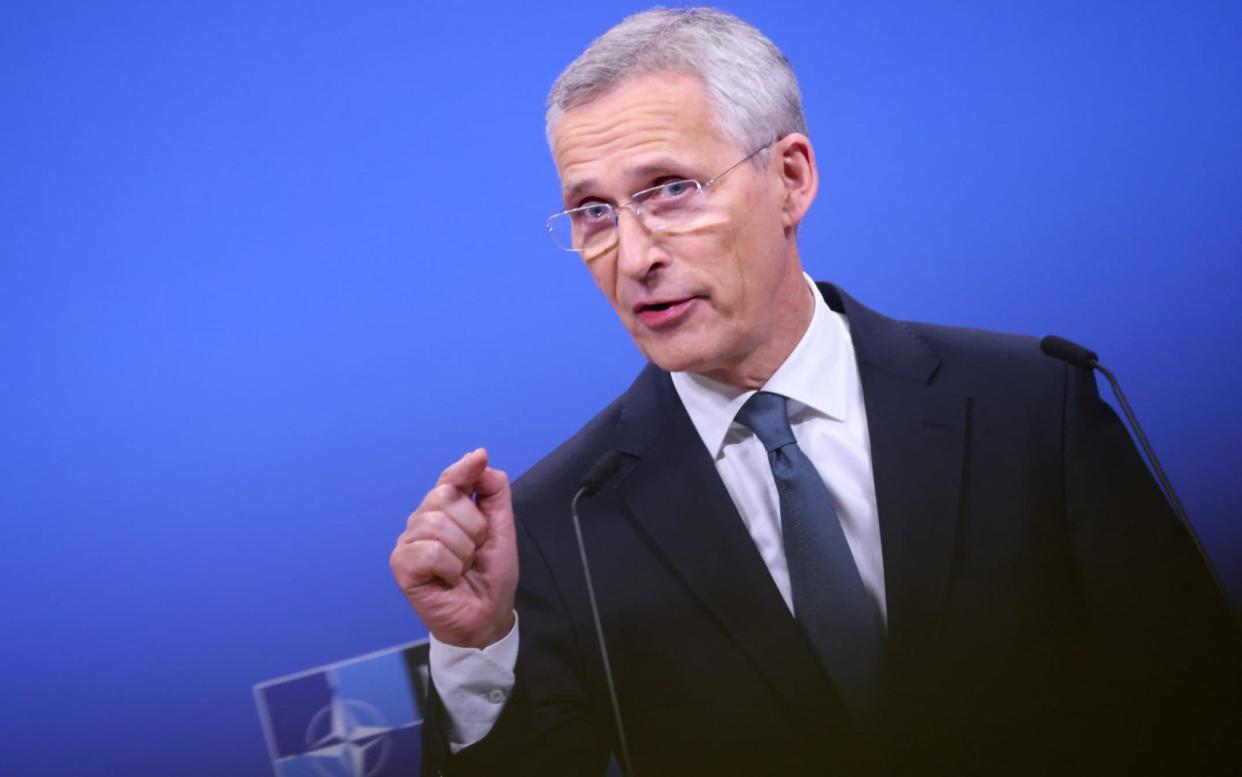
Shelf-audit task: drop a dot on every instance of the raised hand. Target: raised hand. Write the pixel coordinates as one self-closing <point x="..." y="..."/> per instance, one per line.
<point x="456" y="561"/>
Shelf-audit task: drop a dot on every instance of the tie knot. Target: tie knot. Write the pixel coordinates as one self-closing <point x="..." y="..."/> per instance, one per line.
<point x="765" y="415"/>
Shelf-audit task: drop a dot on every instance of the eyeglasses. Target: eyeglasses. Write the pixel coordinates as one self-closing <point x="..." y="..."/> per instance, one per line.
<point x="592" y="229"/>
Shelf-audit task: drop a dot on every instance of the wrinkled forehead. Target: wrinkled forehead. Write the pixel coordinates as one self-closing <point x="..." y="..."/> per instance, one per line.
<point x="644" y="125"/>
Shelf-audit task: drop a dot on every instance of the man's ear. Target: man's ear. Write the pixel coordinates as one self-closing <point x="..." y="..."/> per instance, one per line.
<point x="799" y="177"/>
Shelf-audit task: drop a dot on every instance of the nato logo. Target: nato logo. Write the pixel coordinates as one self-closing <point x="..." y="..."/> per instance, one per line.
<point x="357" y="718"/>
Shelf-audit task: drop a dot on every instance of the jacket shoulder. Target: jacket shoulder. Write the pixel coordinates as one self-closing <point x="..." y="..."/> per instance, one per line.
<point x="981" y="362"/>
<point x="971" y="361"/>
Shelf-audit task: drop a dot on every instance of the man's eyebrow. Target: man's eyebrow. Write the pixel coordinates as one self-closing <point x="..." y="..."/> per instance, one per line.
<point x="571" y="195"/>
<point x="644" y="171"/>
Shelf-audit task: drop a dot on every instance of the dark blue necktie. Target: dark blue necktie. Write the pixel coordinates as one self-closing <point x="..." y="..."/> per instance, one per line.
<point x="829" y="598"/>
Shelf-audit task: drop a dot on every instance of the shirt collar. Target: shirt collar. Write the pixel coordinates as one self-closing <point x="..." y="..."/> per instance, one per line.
<point x="813" y="376"/>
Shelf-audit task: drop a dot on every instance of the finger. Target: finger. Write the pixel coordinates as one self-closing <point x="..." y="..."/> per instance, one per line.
<point x="417" y="563"/>
<point x="449" y="499"/>
<point x="441" y="528"/>
<point x="465" y="471"/>
<point x="467" y="515"/>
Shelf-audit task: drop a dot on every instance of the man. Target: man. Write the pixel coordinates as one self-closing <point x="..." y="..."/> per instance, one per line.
<point x="836" y="543"/>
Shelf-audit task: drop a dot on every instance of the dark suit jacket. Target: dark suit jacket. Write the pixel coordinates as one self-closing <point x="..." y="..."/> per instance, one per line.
<point x="1047" y="614"/>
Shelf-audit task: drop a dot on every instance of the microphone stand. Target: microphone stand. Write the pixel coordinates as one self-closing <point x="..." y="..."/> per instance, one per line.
<point x="591" y="482"/>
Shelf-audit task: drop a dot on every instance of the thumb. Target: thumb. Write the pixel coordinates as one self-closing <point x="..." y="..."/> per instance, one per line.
<point x="491" y="488"/>
<point x="494" y="500"/>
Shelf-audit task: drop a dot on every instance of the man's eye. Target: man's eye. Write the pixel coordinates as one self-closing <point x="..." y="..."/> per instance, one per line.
<point x="675" y="189"/>
<point x="592" y="213"/>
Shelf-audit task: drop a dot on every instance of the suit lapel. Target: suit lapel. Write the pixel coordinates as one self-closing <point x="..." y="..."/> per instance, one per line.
<point x="674" y="494"/>
<point x="918" y="433"/>
<point x="675" y="497"/>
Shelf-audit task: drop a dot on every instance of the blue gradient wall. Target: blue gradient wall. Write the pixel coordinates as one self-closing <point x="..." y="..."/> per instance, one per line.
<point x="265" y="268"/>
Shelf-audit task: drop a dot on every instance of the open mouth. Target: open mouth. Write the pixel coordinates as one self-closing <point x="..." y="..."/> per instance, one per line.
<point x="657" y="306"/>
<point x="656" y="314"/>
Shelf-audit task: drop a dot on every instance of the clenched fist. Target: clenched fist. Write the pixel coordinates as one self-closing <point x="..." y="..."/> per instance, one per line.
<point x="456" y="561"/>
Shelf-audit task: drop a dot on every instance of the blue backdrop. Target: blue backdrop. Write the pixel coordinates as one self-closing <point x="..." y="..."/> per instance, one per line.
<point x="267" y="267"/>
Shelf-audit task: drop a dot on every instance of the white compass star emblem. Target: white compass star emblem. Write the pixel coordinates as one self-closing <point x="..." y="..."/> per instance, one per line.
<point x="347" y="739"/>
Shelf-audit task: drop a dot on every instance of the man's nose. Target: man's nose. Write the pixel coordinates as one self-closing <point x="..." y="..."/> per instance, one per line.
<point x="637" y="251"/>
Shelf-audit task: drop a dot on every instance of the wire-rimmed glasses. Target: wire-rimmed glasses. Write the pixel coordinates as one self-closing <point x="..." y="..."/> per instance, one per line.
<point x="591" y="229"/>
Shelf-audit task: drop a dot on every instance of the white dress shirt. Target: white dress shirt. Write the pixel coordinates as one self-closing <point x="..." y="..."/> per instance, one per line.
<point x="829" y="421"/>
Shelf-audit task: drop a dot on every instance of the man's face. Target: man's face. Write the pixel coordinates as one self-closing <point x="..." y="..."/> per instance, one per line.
<point x="709" y="296"/>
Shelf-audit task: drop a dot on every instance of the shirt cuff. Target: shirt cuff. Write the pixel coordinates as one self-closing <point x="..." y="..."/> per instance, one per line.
<point x="473" y="685"/>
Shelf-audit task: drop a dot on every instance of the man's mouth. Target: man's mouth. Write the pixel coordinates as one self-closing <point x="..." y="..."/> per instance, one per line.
<point x="666" y="312"/>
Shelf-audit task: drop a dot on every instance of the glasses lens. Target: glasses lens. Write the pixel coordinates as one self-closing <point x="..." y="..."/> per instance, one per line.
<point x="562" y="231"/>
<point x="588" y="229"/>
<point x="670" y="203"/>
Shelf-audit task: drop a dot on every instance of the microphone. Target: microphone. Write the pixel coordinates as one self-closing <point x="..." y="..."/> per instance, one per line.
<point x="598" y="474"/>
<point x="591" y="482"/>
<point x="1076" y="355"/>
<point x="1068" y="351"/>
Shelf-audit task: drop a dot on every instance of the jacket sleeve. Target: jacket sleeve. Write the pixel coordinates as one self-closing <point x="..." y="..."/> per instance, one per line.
<point x="1166" y="646"/>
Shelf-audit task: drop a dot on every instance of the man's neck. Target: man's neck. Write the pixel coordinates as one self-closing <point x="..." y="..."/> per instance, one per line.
<point x="763" y="362"/>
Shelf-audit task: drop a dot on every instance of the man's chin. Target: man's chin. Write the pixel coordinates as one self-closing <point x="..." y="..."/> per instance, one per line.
<point x="683" y="350"/>
<point x="675" y="360"/>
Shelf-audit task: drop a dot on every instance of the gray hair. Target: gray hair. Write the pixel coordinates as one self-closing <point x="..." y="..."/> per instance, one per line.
<point x="751" y="86"/>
